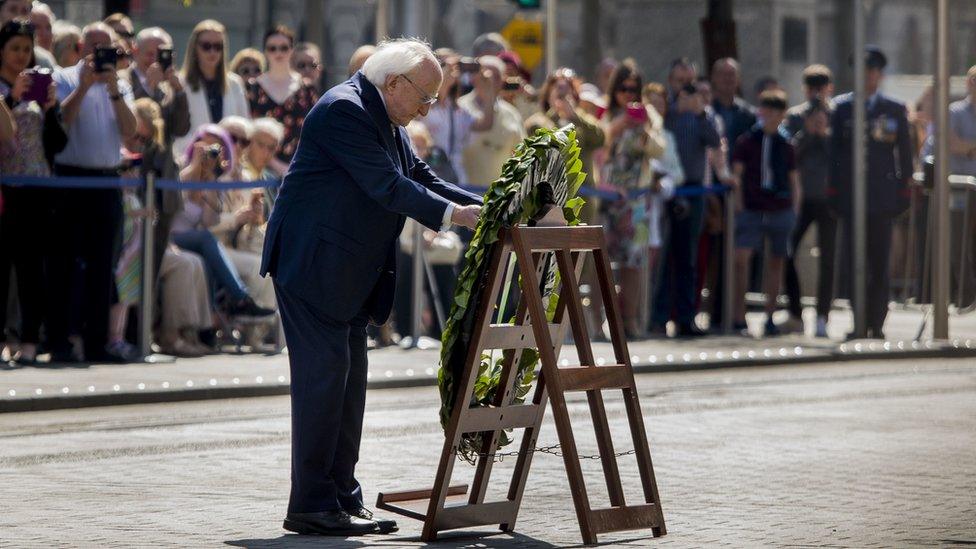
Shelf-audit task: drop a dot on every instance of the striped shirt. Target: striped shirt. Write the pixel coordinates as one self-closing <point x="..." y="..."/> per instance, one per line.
<point x="694" y="134"/>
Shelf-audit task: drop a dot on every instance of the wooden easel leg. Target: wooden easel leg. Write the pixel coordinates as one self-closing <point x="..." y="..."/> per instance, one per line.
<point x="465" y="387"/>
<point x="598" y="412"/>
<point x="564" y="430"/>
<point x="631" y="401"/>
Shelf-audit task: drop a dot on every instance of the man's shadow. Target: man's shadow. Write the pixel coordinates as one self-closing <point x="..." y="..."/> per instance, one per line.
<point x="452" y="540"/>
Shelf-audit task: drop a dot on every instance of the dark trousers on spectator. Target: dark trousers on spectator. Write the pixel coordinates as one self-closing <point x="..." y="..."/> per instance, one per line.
<point x="24" y="226"/>
<point x="86" y="232"/>
<point x="877" y="275"/>
<point x="445" y="277"/>
<point x="677" y="285"/>
<point x="814" y="211"/>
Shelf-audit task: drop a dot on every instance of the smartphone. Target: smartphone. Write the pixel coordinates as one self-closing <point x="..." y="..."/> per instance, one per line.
<point x="637" y="111"/>
<point x="40" y="82"/>
<point x="106" y="58"/>
<point x="164" y="56"/>
<point x="469" y="64"/>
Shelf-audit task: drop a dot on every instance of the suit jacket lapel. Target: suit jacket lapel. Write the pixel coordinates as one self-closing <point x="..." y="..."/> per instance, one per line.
<point x="374" y="106"/>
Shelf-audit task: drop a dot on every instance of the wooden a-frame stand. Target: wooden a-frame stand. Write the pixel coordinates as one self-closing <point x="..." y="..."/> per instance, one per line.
<point x="446" y="507"/>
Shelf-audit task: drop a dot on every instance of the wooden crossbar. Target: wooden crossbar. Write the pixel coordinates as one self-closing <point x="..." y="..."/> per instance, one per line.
<point x="451" y="507"/>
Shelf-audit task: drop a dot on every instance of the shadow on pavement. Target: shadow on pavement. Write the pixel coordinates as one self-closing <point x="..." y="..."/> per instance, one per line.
<point x="451" y="540"/>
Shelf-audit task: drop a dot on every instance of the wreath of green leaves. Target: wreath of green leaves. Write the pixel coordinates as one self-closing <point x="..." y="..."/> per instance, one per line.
<point x="551" y="156"/>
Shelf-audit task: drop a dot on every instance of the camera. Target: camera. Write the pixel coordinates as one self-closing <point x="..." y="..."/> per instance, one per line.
<point x="512" y="83"/>
<point x="106" y="58"/>
<point x="164" y="56"/>
<point x="213" y="151"/>
<point x="469" y="64"/>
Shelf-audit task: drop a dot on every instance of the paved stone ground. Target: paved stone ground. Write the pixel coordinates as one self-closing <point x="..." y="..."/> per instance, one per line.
<point x="394" y="366"/>
<point x="867" y="454"/>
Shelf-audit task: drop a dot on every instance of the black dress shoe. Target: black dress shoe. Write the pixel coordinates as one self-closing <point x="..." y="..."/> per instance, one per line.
<point x="689" y="330"/>
<point x="386" y="526"/>
<point x="329" y="523"/>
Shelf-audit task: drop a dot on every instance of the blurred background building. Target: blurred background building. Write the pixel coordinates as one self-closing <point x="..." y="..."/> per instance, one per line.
<point x="774" y="37"/>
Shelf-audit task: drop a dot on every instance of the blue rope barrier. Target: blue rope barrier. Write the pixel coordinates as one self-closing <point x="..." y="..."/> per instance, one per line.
<point x="171" y="185"/>
<point x="70" y="182"/>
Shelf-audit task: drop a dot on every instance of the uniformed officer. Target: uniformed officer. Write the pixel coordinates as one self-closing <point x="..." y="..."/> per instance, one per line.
<point x="889" y="168"/>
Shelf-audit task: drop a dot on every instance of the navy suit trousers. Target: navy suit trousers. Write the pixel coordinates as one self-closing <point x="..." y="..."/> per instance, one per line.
<point x="328" y="396"/>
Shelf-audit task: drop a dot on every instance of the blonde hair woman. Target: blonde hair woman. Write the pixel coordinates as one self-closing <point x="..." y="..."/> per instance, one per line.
<point x="212" y="92"/>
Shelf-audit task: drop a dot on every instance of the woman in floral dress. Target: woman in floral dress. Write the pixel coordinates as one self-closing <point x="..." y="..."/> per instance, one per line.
<point x="281" y="93"/>
<point x="633" y="139"/>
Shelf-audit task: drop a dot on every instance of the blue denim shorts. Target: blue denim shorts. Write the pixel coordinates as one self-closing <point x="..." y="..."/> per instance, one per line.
<point x="752" y="227"/>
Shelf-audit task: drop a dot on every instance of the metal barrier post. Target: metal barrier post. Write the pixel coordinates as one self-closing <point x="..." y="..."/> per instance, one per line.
<point x="728" y="266"/>
<point x="148" y="264"/>
<point x="940" y="257"/>
<point x="859" y="184"/>
<point x="417" y="283"/>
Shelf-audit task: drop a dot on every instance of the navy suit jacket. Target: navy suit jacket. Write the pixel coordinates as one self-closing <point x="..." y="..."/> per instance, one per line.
<point x="333" y="231"/>
<point x="889" y="160"/>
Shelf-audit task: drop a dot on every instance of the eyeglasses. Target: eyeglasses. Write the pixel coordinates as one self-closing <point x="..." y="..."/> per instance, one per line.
<point x="211" y="46"/>
<point x="628" y="89"/>
<point x="283" y="48"/>
<point x="424" y="98"/>
<point x="249" y="71"/>
<point x="302" y="65"/>
<point x="238" y="140"/>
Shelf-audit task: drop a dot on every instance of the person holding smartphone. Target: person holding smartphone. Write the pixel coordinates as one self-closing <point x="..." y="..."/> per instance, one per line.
<point x="633" y="139"/>
<point x="97" y="109"/>
<point x="31" y="101"/>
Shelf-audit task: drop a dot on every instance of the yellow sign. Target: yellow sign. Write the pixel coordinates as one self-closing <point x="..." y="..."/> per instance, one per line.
<point x="526" y="39"/>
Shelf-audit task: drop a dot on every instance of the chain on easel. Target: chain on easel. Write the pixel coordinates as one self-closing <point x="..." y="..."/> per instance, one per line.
<point x="553" y="450"/>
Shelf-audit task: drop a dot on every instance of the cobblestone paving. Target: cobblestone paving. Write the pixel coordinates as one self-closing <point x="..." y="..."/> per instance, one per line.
<point x="393" y="364"/>
<point x="869" y="454"/>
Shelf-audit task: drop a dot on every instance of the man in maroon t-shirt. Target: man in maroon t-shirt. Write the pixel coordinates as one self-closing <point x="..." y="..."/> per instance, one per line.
<point x="768" y="199"/>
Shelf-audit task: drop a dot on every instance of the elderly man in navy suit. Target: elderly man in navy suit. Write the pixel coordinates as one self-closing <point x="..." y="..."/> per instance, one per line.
<point x="330" y="248"/>
<point x="889" y="169"/>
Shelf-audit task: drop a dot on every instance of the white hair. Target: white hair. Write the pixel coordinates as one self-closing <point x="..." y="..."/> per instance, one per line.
<point x="98" y="26"/>
<point x="269" y="126"/>
<point x="395" y="57"/>
<point x="234" y="122"/>
<point x="41" y="7"/>
<point x="154" y="32"/>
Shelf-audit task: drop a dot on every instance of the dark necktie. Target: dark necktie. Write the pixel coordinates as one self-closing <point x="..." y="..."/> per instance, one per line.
<point x="398" y="143"/>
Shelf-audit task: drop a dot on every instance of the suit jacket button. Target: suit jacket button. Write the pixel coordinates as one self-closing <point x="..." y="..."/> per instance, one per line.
<point x="379" y="269"/>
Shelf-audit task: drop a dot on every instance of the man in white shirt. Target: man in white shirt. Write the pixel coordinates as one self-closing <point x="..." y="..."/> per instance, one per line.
<point x="487" y="151"/>
<point x="97" y="110"/>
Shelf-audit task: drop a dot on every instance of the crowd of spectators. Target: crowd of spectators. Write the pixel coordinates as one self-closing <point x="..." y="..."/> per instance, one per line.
<point x="104" y="100"/>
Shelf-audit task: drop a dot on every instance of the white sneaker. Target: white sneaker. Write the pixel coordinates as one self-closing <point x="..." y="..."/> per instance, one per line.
<point x="821" y="326"/>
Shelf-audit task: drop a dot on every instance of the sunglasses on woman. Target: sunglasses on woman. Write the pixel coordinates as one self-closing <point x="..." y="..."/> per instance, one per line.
<point x="249" y="71"/>
<point x="283" y="48"/>
<point x="238" y="140"/>
<point x="211" y="46"/>
<point x="302" y="65"/>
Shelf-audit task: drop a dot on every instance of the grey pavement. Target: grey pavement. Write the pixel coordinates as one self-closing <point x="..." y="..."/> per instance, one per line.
<point x="862" y="454"/>
<point x="230" y="375"/>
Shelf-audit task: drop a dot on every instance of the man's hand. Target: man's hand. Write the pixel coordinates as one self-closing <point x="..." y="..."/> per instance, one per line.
<point x="174" y="79"/>
<point x="466" y="216"/>
<point x="87" y="77"/>
<point x="154" y="76"/>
